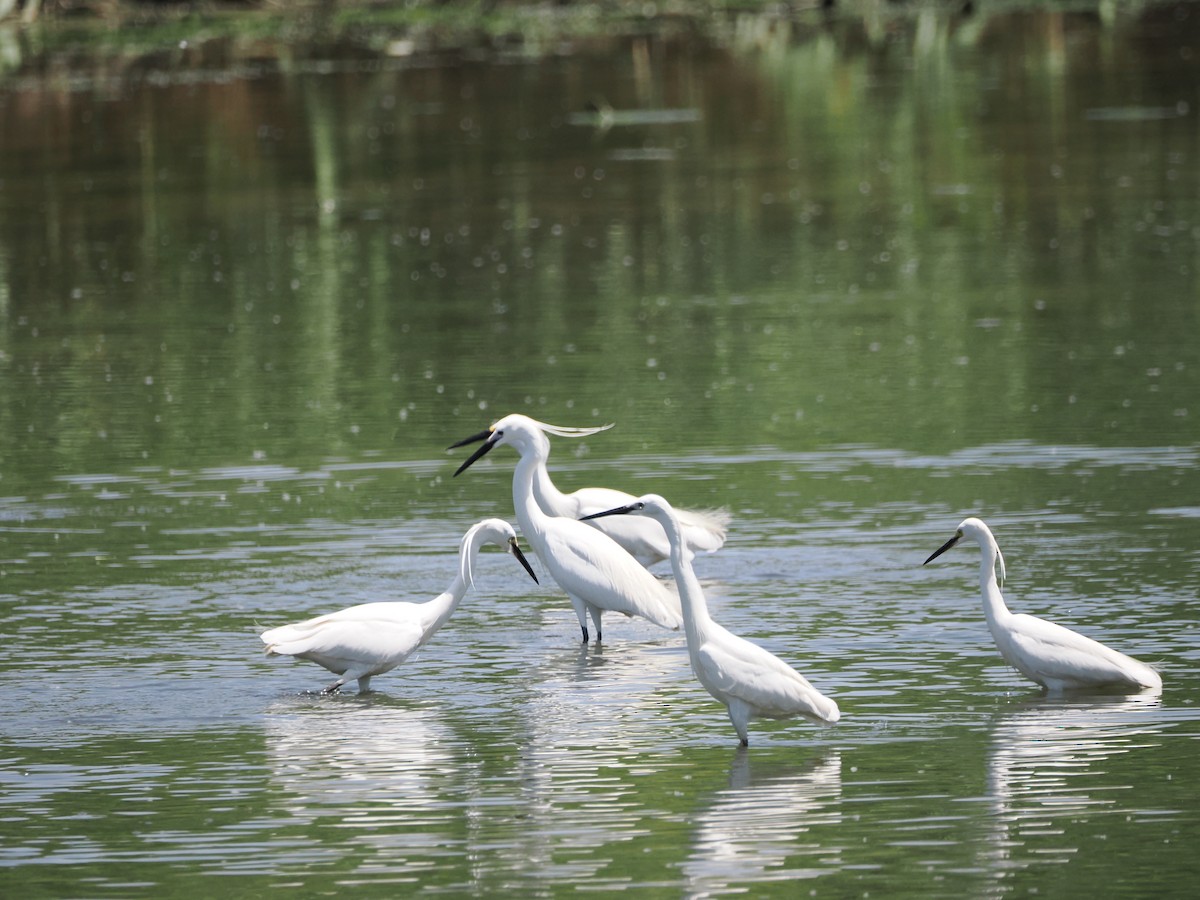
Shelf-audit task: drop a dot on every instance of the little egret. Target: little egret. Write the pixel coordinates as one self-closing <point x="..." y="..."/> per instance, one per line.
<point x="750" y="681"/>
<point x="703" y="530"/>
<point x="1055" y="657"/>
<point x="372" y="638"/>
<point x="594" y="570"/>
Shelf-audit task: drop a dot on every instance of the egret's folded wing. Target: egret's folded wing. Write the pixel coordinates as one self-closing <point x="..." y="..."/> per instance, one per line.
<point x="589" y="564"/>
<point x="756" y="676"/>
<point x="354" y="639"/>
<point x="1058" y="653"/>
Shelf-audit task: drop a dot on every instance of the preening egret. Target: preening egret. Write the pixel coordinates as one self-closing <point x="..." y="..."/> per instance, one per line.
<point x="703" y="530"/>
<point x="750" y="681"/>
<point x="1055" y="657"/>
<point x="372" y="638"/>
<point x="591" y="567"/>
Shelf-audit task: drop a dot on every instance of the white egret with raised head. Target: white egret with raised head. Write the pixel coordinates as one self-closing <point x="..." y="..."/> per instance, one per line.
<point x="704" y="530"/>
<point x="595" y="571"/>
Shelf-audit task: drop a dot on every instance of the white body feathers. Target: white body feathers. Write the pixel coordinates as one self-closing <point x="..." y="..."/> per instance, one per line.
<point x="372" y="638"/>
<point x="752" y="682"/>
<point x="595" y="571"/>
<point x="1055" y="657"/>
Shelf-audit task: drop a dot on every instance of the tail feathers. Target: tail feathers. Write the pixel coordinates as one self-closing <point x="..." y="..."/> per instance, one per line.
<point x="664" y="616"/>
<point x="1145" y="676"/>
<point x="663" y="610"/>
<point x="669" y="620"/>
<point x="1132" y="671"/>
<point x="670" y="613"/>
<point x="289" y="648"/>
<point x="286" y="640"/>
<point x="705" y="529"/>
<point x="826" y="709"/>
<point x="718" y="519"/>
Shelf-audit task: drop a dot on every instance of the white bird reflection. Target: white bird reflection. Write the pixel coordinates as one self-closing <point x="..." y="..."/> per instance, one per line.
<point x="357" y="760"/>
<point x="615" y="697"/>
<point x="751" y="829"/>
<point x="592" y="721"/>
<point x="1045" y="769"/>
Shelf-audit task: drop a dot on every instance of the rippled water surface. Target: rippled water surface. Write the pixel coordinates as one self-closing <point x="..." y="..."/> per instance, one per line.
<point x="851" y="284"/>
<point x="146" y="740"/>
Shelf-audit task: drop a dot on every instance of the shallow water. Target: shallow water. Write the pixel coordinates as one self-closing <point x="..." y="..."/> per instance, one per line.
<point x="155" y="744"/>
<point x="855" y="287"/>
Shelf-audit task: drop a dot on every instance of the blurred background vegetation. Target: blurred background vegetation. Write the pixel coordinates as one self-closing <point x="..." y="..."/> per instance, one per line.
<point x="818" y="225"/>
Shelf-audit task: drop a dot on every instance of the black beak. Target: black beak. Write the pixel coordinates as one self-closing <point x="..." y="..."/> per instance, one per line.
<point x="619" y="511"/>
<point x="942" y="549"/>
<point x="482" y="436"/>
<point x="516" y="551"/>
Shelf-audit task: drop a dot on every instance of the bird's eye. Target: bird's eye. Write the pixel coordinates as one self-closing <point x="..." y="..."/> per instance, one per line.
<point x="639" y="505"/>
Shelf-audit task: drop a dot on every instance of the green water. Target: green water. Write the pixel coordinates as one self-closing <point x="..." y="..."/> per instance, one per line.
<point x="851" y="279"/>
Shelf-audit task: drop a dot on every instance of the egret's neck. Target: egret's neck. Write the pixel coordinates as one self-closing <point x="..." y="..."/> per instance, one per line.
<point x="437" y="611"/>
<point x="529" y="514"/>
<point x="691" y="596"/>
<point x="544" y="492"/>
<point x="993" y="601"/>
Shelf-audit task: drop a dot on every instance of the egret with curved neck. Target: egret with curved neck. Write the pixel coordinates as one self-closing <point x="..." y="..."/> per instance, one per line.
<point x="1055" y="657"/>
<point x="372" y="638"/>
<point x="752" y="682"/>
<point x="594" y="570"/>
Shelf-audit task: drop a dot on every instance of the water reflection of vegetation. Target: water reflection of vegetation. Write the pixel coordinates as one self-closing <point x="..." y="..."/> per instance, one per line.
<point x="526" y="29"/>
<point x="861" y="238"/>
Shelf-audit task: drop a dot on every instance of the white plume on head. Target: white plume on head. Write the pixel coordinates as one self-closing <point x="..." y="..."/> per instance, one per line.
<point x="564" y="431"/>
<point x="465" y="554"/>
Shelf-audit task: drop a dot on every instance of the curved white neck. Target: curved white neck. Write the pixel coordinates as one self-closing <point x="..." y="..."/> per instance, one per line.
<point x="691" y="595"/>
<point x="994" y="607"/>
<point x="547" y="495"/>
<point x="529" y="514"/>
<point x="437" y="611"/>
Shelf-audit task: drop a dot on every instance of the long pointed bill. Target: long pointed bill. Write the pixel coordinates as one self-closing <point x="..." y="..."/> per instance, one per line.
<point x="473" y="439"/>
<point x="488" y="444"/>
<point x="516" y="551"/>
<point x="619" y="511"/>
<point x="942" y="549"/>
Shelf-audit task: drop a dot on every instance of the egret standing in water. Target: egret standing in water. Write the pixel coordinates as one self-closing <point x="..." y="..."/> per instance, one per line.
<point x="752" y="682"/>
<point x="372" y="638"/>
<point x="594" y="570"/>
<point x="704" y="531"/>
<point x="1055" y="657"/>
